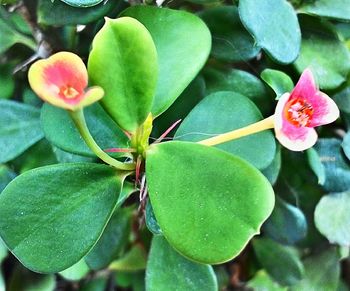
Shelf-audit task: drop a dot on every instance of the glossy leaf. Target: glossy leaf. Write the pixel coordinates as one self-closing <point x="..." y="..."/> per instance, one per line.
<point x="46" y="224"/>
<point x="279" y="81"/>
<point x="231" y="41"/>
<point x="112" y="241"/>
<point x="192" y="195"/>
<point x="123" y="61"/>
<point x="275" y="27"/>
<point x="287" y="223"/>
<point x="60" y="130"/>
<point x="319" y="39"/>
<point x="239" y="82"/>
<point x="82" y="3"/>
<point x="335" y="9"/>
<point x="58" y="13"/>
<point x="76" y="272"/>
<point x="281" y="262"/>
<point x="332" y="218"/>
<point x="225" y="111"/>
<point x="183" y="44"/>
<point x="168" y="270"/>
<point x="19" y="129"/>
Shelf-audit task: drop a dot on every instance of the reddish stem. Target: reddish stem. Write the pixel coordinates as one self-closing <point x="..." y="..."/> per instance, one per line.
<point x="167" y="132"/>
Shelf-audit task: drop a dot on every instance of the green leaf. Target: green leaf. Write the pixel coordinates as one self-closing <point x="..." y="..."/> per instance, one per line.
<point x="195" y="190"/>
<point x="281" y="262"/>
<point x="57" y="13"/>
<point x="322" y="272"/>
<point x="231" y="41"/>
<point x="151" y="221"/>
<point x="19" y="129"/>
<point x="66" y="157"/>
<point x="239" y="82"/>
<point x="76" y="272"/>
<point x="47" y="213"/>
<point x="123" y="61"/>
<point x="225" y="111"/>
<point x="6" y="175"/>
<point x="319" y="39"/>
<point x="342" y="98"/>
<point x="335" y="9"/>
<point x="112" y="241"/>
<point x="332" y="218"/>
<point x="346" y="146"/>
<point x="334" y="162"/>
<point x="168" y="270"/>
<point x="263" y="282"/>
<point x="134" y="260"/>
<point x="96" y="284"/>
<point x="287" y="223"/>
<point x="3" y="252"/>
<point x="183" y="44"/>
<point x="272" y="171"/>
<point x="275" y="27"/>
<point x="60" y="130"/>
<point x="82" y="3"/>
<point x="7" y="83"/>
<point x="316" y="165"/>
<point x="279" y="81"/>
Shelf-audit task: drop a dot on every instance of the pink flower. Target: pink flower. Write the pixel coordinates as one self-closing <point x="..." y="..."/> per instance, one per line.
<point x="300" y="111"/>
<point x="61" y="80"/>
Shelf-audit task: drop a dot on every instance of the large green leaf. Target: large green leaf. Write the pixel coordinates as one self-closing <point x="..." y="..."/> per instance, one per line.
<point x="231" y="41"/>
<point x="82" y="3"/>
<point x="52" y="216"/>
<point x="19" y="128"/>
<point x="123" y="61"/>
<point x="57" y="13"/>
<point x="168" y="270"/>
<point x="207" y="202"/>
<point x="225" y="111"/>
<point x="323" y="52"/>
<point x="332" y="217"/>
<point x="281" y="262"/>
<point x="60" y="130"/>
<point x="336" y="9"/>
<point x="275" y="27"/>
<point x="183" y="44"/>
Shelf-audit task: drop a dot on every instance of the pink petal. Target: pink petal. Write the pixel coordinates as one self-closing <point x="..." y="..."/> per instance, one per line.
<point x="325" y="110"/>
<point x="306" y="87"/>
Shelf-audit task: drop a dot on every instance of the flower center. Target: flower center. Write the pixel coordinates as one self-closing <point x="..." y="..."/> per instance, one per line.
<point x="68" y="92"/>
<point x="299" y="112"/>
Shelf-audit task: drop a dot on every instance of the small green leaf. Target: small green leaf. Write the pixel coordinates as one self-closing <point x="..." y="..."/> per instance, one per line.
<point x="58" y="13"/>
<point x="112" y="241"/>
<point x="287" y="223"/>
<point x="275" y="27"/>
<point x="134" y="260"/>
<point x="123" y="61"/>
<point x="168" y="270"/>
<point x="82" y="3"/>
<point x="151" y="220"/>
<point x="332" y="217"/>
<point x="281" y="262"/>
<point x="239" y="82"/>
<point x="60" y="130"/>
<point x="316" y="165"/>
<point x="6" y="175"/>
<point x="47" y="213"/>
<point x="19" y="129"/>
<point x="323" y="53"/>
<point x="335" y="9"/>
<point x="183" y="45"/>
<point x="279" y="81"/>
<point x="263" y="282"/>
<point x="272" y="171"/>
<point x="76" y="272"/>
<point x="322" y="272"/>
<point x="225" y="111"/>
<point x="195" y="190"/>
<point x="231" y="41"/>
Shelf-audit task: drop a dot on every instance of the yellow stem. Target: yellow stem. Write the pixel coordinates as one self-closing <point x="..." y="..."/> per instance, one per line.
<point x="264" y="124"/>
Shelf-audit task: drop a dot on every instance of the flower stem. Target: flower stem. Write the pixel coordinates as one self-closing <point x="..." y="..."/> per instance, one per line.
<point x="80" y="123"/>
<point x="264" y="124"/>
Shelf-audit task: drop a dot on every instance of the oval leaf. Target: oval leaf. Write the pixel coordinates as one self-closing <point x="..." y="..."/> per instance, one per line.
<point x="183" y="44"/>
<point x="82" y="3"/>
<point x="275" y="27"/>
<point x="279" y="81"/>
<point x="335" y="9"/>
<point x="207" y="202"/>
<point x="225" y="111"/>
<point x="47" y="213"/>
<point x="168" y="270"/>
<point x="19" y="129"/>
<point x="123" y="61"/>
